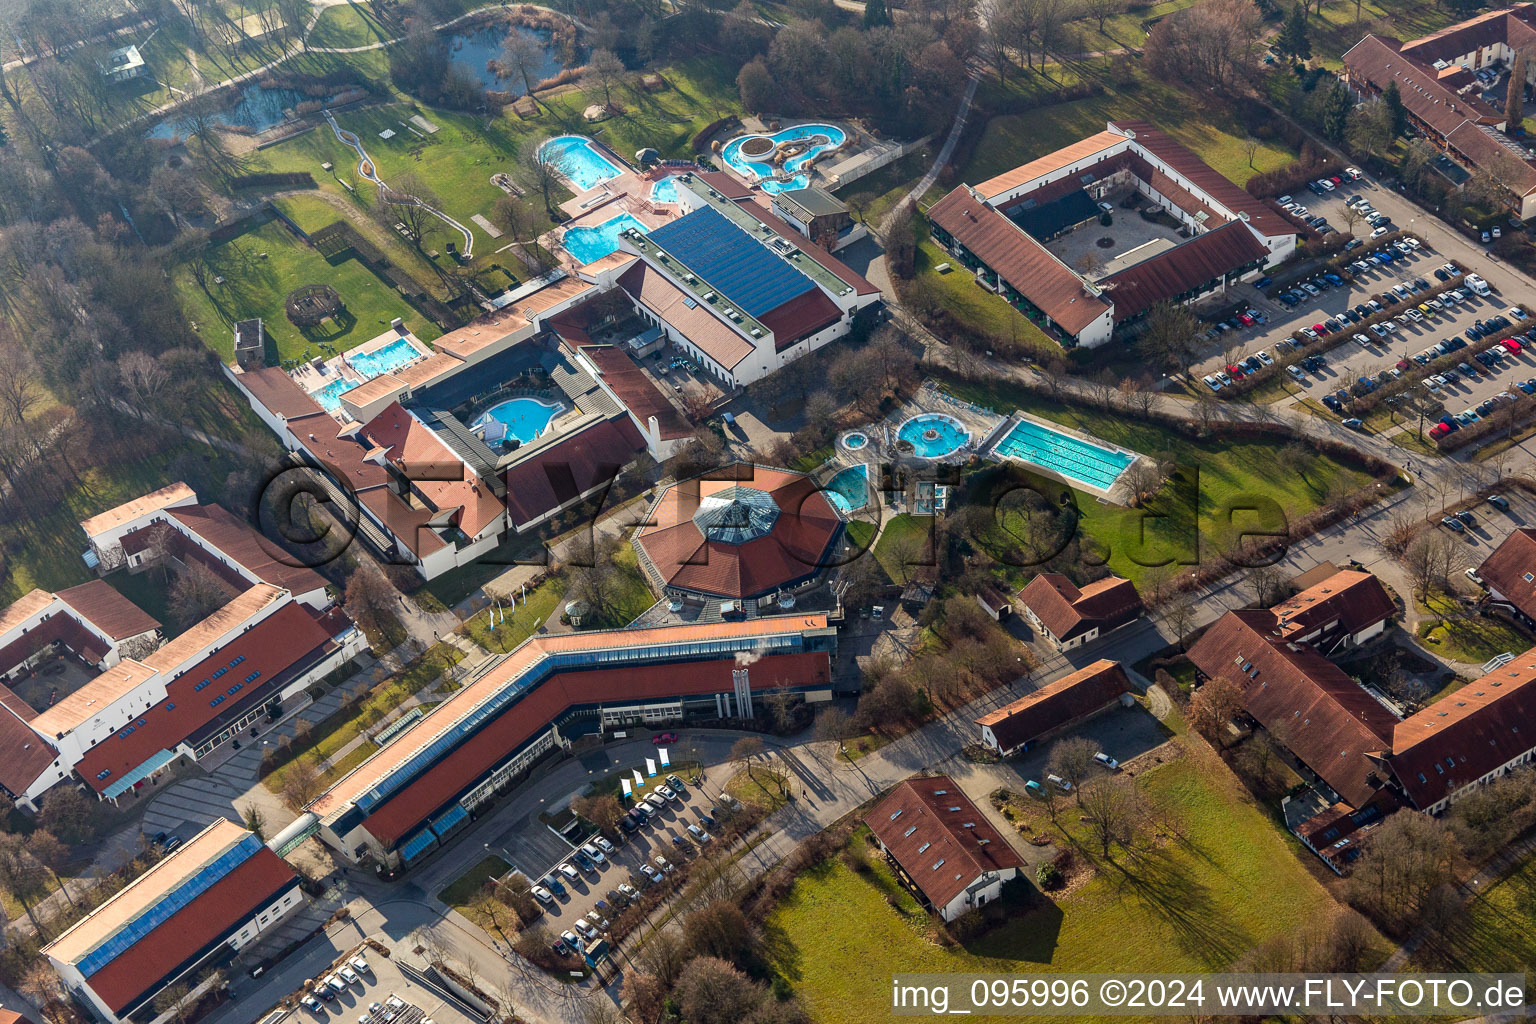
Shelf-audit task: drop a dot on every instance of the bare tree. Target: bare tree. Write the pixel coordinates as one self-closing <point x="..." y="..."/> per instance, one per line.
<point x="1179" y="617"/>
<point x="745" y="750"/>
<point x="197" y="592"/>
<point x="301" y="783"/>
<point x="1429" y="560"/>
<point x="409" y="201"/>
<point x="1114" y="812"/>
<point x="604" y="71"/>
<point x="522" y="57"/>
<point x="1072" y="759"/>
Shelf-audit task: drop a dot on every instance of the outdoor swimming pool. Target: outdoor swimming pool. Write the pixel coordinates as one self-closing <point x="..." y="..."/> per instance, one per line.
<point x="855" y="440"/>
<point x="848" y="491"/>
<point x="383" y="360"/>
<point x="589" y="244"/>
<point x="1074" y="459"/>
<point x="578" y="160"/>
<point x="524" y="418"/>
<point x="758" y="169"/>
<point x="665" y="190"/>
<point x="329" y="396"/>
<point x="933" y="435"/>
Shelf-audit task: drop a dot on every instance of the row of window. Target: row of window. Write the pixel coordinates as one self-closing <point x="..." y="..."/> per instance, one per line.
<point x="237" y="660"/>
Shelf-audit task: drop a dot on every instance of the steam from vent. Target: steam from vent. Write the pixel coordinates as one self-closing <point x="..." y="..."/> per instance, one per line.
<point x="745" y="658"/>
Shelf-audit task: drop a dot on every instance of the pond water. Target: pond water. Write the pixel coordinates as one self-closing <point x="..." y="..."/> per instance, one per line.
<point x="258" y="109"/>
<point x="473" y="51"/>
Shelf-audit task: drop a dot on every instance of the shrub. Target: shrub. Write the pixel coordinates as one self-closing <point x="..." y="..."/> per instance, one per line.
<point x="1048" y="877"/>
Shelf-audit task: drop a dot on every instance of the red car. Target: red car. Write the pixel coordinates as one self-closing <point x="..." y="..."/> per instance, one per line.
<point x="1237" y="372"/>
<point x="1438" y="431"/>
<point x="1247" y="320"/>
<point x="1337" y="181"/>
<point x="1403" y="364"/>
<point x="664" y="737"/>
<point x="1510" y="345"/>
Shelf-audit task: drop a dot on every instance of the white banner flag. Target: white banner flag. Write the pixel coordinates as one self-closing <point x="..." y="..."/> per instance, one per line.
<point x="650" y="768"/>
<point x="628" y="789"/>
<point x="666" y="762"/>
<point x="638" y="780"/>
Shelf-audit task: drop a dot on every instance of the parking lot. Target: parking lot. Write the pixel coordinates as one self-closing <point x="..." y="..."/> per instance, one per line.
<point x="596" y="888"/>
<point x="381" y="994"/>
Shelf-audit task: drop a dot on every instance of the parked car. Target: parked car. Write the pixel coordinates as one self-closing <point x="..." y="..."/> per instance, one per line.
<point x="1453" y="524"/>
<point x="1059" y="782"/>
<point x="1107" y="761"/>
<point x="569" y="872"/>
<point x="1354" y="424"/>
<point x="698" y="834"/>
<point x="1499" y="502"/>
<point x="664" y="737"/>
<point x="594" y="853"/>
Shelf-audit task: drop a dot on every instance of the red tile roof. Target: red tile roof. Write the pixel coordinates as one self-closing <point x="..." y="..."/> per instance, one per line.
<point x="1510" y="26"/>
<point x="112" y="613"/>
<point x="1206" y="178"/>
<point x="636" y="389"/>
<point x="1480" y="146"/>
<point x="239" y="540"/>
<point x="273" y="388"/>
<point x="1463" y="736"/>
<point x="1024" y="263"/>
<point x="58" y="627"/>
<point x="1209" y="256"/>
<point x="923" y="825"/>
<point x="800" y="317"/>
<point x="1379" y="61"/>
<point x="1511" y="570"/>
<point x="695" y="322"/>
<point x="795" y="548"/>
<point x="1354" y="600"/>
<point x="24" y="755"/>
<point x="1057" y="703"/>
<point x="434" y="470"/>
<point x="565" y="470"/>
<point x="1326" y="718"/>
<point x="728" y="185"/>
<point x="1067" y="155"/>
<point x="402" y="813"/>
<point x="1067" y="611"/>
<point x="286" y="638"/>
<point x="137" y="972"/>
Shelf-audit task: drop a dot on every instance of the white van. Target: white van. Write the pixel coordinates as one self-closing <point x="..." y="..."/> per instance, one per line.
<point x="1477" y="284"/>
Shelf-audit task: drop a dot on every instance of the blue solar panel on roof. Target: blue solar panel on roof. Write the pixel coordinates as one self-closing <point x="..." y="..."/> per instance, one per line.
<point x="736" y="264"/>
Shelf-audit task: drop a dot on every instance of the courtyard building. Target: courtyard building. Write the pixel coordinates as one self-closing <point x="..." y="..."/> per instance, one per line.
<point x="176" y="924"/>
<point x="1510" y="574"/>
<point x="1014" y="231"/>
<point x="1444" y="81"/>
<point x="943" y="848"/>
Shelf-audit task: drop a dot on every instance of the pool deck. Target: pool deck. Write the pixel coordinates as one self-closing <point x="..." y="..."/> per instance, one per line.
<point x="313" y="380"/>
<point x="628" y="193"/>
<point x="1117" y="494"/>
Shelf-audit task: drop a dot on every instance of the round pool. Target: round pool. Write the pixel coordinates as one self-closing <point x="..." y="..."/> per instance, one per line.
<point x="855" y="440"/>
<point x="521" y="418"/>
<point x="933" y="435"/>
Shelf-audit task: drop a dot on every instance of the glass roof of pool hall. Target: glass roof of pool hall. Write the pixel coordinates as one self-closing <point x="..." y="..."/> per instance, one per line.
<point x="737" y="515"/>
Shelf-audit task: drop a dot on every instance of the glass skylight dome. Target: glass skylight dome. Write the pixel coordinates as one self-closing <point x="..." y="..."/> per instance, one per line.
<point x="736" y="515"/>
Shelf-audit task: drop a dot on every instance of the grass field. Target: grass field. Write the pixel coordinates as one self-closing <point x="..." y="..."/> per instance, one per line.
<point x="1204" y="126"/>
<point x="957" y="292"/>
<point x="1465" y="637"/>
<point x="904" y="547"/>
<point x="1495" y="934"/>
<point x="1233" y="882"/>
<point x="254" y="286"/>
<point x="1215" y="482"/>
<point x="467" y="886"/>
<point x="518" y="625"/>
<point x="349" y="25"/>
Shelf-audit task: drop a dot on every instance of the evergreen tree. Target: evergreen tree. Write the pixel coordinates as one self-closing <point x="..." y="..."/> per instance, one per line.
<point x="875" y="14"/>
<point x="1337" y="104"/>
<point x="1293" y="39"/>
<point x="1514" y="102"/>
<point x="1393" y="98"/>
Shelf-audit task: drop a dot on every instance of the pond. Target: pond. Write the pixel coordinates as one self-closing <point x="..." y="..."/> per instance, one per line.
<point x="474" y="50"/>
<point x="258" y="109"/>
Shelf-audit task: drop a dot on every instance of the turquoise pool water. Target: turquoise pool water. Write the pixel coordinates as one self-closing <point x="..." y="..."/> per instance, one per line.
<point x="329" y="396"/>
<point x="665" y="190"/>
<point x="391" y="357"/>
<point x="524" y="418"/>
<point x="755" y="170"/>
<point x="947" y="435"/>
<point x="1074" y="459"/>
<point x="577" y="159"/>
<point x="849" y="490"/>
<point x="588" y="244"/>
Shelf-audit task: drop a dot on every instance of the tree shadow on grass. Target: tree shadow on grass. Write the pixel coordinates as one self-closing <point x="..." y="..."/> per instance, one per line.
<point x="1169" y="890"/>
<point x="1488" y="937"/>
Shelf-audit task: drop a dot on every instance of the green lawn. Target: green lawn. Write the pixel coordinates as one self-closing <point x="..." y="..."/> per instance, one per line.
<point x="957" y="293"/>
<point x="1495" y="934"/>
<point x="518" y="625"/>
<point x="150" y="591"/>
<point x="1471" y="637"/>
<point x="628" y="596"/>
<point x="254" y="286"/>
<point x="1124" y="29"/>
<point x="1334" y="29"/>
<point x="905" y="539"/>
<point x="462" y="890"/>
<point x="349" y="25"/>
<point x="1229" y="478"/>
<point x="1204" y="126"/>
<point x="1235" y="881"/>
<point x="881" y="190"/>
<point x="335" y="731"/>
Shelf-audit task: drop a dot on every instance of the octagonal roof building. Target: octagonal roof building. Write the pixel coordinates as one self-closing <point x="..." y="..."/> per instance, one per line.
<point x="741" y="532"/>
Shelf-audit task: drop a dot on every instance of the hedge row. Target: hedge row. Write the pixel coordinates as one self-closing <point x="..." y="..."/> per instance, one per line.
<point x="274" y="179"/>
<point x="1488" y="426"/>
